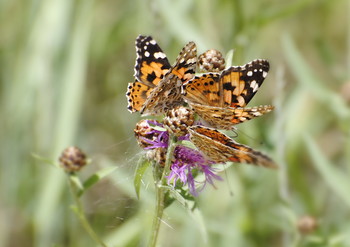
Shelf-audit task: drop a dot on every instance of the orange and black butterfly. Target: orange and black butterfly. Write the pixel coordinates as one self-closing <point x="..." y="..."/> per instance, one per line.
<point x="157" y="86"/>
<point x="220" y="99"/>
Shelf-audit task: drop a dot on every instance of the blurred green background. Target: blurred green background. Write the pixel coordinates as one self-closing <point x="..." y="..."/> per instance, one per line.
<point x="64" y="70"/>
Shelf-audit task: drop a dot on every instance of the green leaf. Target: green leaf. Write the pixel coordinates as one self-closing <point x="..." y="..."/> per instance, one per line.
<point x="309" y="80"/>
<point x="189" y="203"/>
<point x="338" y="181"/>
<point x="187" y="144"/>
<point x="228" y="58"/>
<point x="182" y="196"/>
<point x="158" y="128"/>
<point x="142" y="166"/>
<point x="93" y="179"/>
<point x="76" y="181"/>
<point x="44" y="159"/>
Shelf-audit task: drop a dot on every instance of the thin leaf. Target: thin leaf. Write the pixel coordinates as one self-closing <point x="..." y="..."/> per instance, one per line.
<point x="228" y="58"/>
<point x="177" y="196"/>
<point x="187" y="144"/>
<point x="189" y="205"/>
<point x="309" y="80"/>
<point x="141" y="168"/>
<point x="337" y="181"/>
<point x="76" y="181"/>
<point x="44" y="159"/>
<point x="93" y="179"/>
<point x="158" y="128"/>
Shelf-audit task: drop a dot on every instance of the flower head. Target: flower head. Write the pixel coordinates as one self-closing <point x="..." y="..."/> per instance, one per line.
<point x="178" y="119"/>
<point x="72" y="159"/>
<point x="149" y="137"/>
<point x="211" y="61"/>
<point x="186" y="162"/>
<point x="189" y="162"/>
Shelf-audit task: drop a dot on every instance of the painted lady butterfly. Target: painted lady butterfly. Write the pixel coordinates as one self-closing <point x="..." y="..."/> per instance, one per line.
<point x="157" y="86"/>
<point x="220" y="98"/>
<point x="221" y="148"/>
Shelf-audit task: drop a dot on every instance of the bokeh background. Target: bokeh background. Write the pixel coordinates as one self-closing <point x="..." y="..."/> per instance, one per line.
<point x="64" y="70"/>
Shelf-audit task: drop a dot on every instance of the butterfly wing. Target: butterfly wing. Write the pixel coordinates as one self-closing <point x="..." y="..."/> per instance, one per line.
<point x="204" y="90"/>
<point x="238" y="84"/>
<point x="167" y="94"/>
<point x="226" y="117"/>
<point x="221" y="148"/>
<point x="151" y="63"/>
<point x="234" y="87"/>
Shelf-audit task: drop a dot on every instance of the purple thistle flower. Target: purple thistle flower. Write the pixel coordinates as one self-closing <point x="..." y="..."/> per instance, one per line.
<point x="161" y="137"/>
<point x="161" y="141"/>
<point x="188" y="161"/>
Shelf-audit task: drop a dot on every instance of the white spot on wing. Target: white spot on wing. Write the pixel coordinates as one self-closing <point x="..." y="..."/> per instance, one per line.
<point x="249" y="73"/>
<point x="254" y="86"/>
<point x="159" y="54"/>
<point x="153" y="42"/>
<point x="147" y="54"/>
<point x="264" y="74"/>
<point x="241" y="101"/>
<point x="192" y="60"/>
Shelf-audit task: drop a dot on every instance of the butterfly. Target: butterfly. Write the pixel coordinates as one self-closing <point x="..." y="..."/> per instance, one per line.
<point x="220" y="98"/>
<point x="157" y="85"/>
<point x="220" y="148"/>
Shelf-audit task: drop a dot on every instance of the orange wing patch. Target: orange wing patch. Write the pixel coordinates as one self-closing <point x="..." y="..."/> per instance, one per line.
<point x="167" y="94"/>
<point x="157" y="87"/>
<point x="215" y="96"/>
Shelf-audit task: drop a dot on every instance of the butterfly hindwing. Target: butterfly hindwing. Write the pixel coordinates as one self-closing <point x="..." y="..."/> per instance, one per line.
<point x="220" y="148"/>
<point x="225" y="117"/>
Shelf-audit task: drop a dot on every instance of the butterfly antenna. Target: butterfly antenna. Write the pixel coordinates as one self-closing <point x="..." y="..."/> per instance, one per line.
<point x="228" y="183"/>
<point x="240" y="132"/>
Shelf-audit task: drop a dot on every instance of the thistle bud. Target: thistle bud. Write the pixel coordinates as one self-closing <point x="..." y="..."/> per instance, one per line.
<point x="307" y="224"/>
<point x="178" y="119"/>
<point x="211" y="61"/>
<point x="145" y="133"/>
<point x="72" y="159"/>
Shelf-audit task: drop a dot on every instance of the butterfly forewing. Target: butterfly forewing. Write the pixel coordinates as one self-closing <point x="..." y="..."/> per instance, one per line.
<point x="240" y="83"/>
<point x="167" y="94"/>
<point x="151" y="62"/>
<point x="216" y="96"/>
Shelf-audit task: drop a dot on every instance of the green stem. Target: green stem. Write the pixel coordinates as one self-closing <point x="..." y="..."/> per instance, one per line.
<point x="81" y="215"/>
<point x="160" y="193"/>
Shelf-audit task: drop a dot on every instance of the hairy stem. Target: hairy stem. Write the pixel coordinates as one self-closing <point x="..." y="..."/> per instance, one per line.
<point x="78" y="209"/>
<point x="160" y="193"/>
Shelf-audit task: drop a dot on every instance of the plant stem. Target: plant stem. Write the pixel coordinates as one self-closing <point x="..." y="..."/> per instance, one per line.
<point x="78" y="209"/>
<point x="160" y="193"/>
